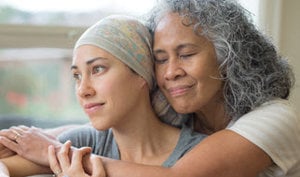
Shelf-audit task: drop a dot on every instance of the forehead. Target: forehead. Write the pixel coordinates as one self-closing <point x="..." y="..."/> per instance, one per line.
<point x="169" y="19"/>
<point x="173" y="30"/>
<point x="86" y="52"/>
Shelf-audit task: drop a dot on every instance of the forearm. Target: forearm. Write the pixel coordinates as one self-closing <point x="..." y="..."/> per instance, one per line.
<point x="20" y="167"/>
<point x="117" y="168"/>
<point x="237" y="157"/>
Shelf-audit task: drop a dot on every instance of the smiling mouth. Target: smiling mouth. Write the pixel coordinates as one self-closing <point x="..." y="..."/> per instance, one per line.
<point x="179" y="91"/>
<point x="91" y="108"/>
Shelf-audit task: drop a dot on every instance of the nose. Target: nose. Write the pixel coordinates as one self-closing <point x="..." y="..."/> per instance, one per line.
<point x="174" y="70"/>
<point x="85" y="89"/>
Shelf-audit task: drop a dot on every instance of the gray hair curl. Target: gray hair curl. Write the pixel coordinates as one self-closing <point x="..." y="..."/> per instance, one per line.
<point x="252" y="70"/>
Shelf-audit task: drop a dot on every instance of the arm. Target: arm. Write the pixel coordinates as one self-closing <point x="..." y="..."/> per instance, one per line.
<point x="33" y="134"/>
<point x="32" y="143"/>
<point x="20" y="167"/>
<point x="223" y="154"/>
<point x="271" y="131"/>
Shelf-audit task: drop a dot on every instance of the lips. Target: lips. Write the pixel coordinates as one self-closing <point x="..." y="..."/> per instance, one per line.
<point x="92" y="107"/>
<point x="179" y="90"/>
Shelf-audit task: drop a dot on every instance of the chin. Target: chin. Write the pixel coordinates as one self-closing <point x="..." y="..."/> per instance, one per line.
<point x="182" y="110"/>
<point x="99" y="126"/>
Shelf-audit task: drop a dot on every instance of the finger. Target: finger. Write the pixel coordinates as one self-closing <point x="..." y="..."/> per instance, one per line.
<point x="17" y="130"/>
<point x="78" y="156"/>
<point x="35" y="128"/>
<point x="63" y="155"/>
<point x="97" y="166"/>
<point x="12" y="145"/>
<point x="6" y="153"/>
<point x="23" y="127"/>
<point x="9" y="134"/>
<point x="3" y="132"/>
<point x="54" y="165"/>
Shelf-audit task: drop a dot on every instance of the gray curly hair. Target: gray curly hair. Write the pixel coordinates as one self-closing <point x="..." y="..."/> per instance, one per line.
<point x="252" y="70"/>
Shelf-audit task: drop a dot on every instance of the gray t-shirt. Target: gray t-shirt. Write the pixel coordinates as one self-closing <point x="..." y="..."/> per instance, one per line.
<point x="104" y="144"/>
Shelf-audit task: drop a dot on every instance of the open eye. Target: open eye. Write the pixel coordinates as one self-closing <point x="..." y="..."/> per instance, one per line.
<point x="98" y="69"/>
<point x="77" y="76"/>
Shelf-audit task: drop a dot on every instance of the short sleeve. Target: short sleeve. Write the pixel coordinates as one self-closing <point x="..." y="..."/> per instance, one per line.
<point x="275" y="128"/>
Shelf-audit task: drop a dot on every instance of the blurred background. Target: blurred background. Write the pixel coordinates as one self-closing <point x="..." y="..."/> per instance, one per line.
<point x="36" y="40"/>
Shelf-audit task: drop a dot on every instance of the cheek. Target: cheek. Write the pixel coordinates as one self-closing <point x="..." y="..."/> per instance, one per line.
<point x="105" y="87"/>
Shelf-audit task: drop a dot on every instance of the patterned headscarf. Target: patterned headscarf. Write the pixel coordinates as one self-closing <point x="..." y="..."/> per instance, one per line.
<point x="125" y="38"/>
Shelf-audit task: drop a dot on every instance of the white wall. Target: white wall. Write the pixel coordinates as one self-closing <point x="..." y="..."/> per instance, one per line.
<point x="290" y="41"/>
<point x="281" y="20"/>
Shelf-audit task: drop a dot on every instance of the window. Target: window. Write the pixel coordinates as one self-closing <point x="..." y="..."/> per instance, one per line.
<point x="35" y="54"/>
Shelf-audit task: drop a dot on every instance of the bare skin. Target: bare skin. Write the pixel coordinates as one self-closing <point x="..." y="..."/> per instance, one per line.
<point x="72" y="165"/>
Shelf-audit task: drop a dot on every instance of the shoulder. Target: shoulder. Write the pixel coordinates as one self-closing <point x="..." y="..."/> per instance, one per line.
<point x="275" y="128"/>
<point x="85" y="135"/>
<point x="188" y="135"/>
<point x="277" y="115"/>
<point x="188" y="139"/>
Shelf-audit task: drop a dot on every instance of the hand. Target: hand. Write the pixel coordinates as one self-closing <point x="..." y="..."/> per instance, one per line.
<point x="5" y="152"/>
<point x="64" y="164"/>
<point x="30" y="143"/>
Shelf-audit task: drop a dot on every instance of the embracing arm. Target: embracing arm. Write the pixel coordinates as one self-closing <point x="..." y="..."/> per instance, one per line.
<point x="223" y="154"/>
<point x="20" y="167"/>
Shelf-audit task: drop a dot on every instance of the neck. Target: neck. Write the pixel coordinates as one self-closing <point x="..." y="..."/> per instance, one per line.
<point x="143" y="138"/>
<point x="211" y="118"/>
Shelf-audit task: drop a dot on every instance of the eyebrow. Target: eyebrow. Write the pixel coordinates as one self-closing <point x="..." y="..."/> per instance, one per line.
<point x="89" y="62"/>
<point x="179" y="47"/>
<point x="182" y="46"/>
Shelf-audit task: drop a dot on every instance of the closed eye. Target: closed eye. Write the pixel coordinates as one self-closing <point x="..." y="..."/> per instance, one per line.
<point x="186" y="56"/>
<point x="161" y="60"/>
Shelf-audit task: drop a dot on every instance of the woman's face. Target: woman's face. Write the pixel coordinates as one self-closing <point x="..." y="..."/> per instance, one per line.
<point x="186" y="66"/>
<point x="106" y="88"/>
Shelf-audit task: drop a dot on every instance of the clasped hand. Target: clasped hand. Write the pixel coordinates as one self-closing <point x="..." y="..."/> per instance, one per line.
<point x="29" y="142"/>
<point x="69" y="162"/>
